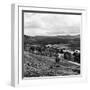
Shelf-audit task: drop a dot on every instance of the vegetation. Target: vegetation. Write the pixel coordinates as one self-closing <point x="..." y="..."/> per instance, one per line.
<point x="43" y="63"/>
<point x="36" y="66"/>
<point x="72" y="41"/>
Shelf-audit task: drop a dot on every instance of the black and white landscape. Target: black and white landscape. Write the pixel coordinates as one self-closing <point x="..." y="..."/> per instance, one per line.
<point x="51" y="44"/>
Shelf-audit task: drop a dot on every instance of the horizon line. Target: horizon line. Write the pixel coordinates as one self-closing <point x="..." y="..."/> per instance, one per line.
<point x="55" y="35"/>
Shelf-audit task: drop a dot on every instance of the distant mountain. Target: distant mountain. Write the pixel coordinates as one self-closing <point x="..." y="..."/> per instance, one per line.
<point x="59" y="36"/>
<point x="69" y="36"/>
<point x="65" y="39"/>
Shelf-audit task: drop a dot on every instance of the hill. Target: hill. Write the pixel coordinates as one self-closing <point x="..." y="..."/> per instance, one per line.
<point x="72" y="41"/>
<point x="36" y="66"/>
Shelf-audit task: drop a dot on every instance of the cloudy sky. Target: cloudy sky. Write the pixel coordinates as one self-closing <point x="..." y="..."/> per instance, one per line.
<point x="51" y="24"/>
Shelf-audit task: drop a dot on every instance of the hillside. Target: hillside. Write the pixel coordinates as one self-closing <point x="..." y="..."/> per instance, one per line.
<point x="72" y="41"/>
<point x="36" y="66"/>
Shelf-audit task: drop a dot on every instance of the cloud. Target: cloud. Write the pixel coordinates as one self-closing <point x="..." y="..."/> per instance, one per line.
<point x="51" y="24"/>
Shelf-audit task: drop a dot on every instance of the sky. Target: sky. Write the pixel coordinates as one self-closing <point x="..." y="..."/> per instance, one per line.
<point x="41" y="24"/>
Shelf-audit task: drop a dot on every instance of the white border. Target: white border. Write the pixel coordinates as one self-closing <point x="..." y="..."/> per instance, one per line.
<point x="16" y="70"/>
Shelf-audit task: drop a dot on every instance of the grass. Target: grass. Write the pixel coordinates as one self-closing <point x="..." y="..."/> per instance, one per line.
<point x="37" y="66"/>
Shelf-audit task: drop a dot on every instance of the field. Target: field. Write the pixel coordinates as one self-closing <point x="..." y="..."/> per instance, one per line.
<point x="38" y="66"/>
<point x="73" y="42"/>
<point x="43" y="63"/>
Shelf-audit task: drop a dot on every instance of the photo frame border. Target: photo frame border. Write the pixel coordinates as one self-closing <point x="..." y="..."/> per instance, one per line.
<point x="16" y="50"/>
